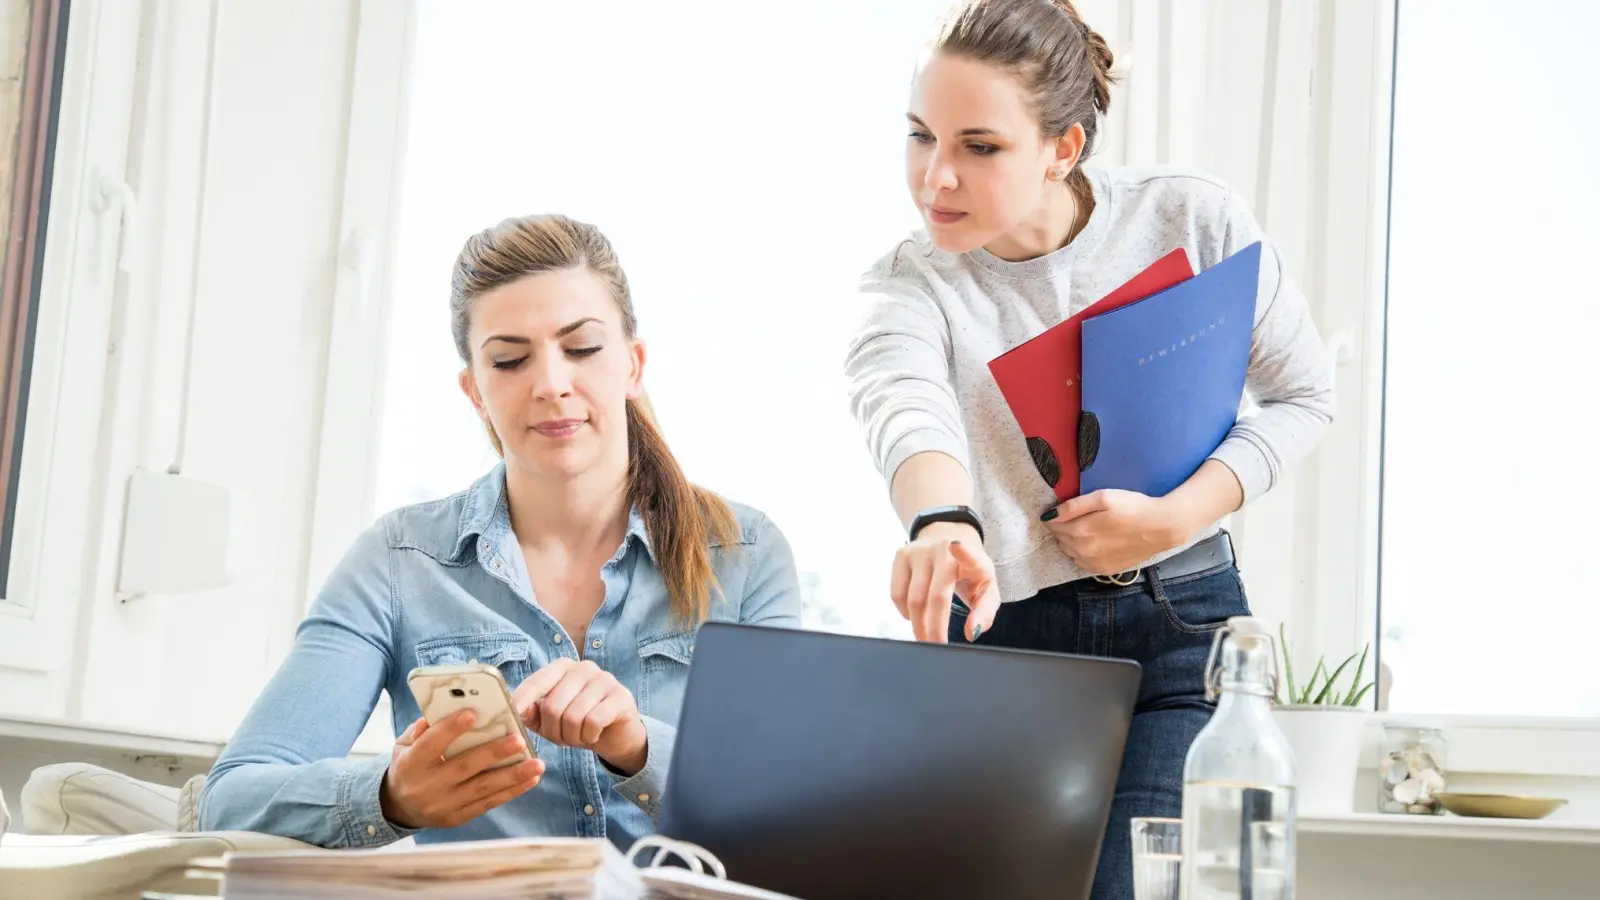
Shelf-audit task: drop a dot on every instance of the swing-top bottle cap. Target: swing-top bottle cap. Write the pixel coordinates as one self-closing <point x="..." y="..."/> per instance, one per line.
<point x="1242" y="659"/>
<point x="1248" y="625"/>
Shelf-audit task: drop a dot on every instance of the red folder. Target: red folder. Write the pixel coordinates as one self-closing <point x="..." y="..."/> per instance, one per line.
<point x="1039" y="378"/>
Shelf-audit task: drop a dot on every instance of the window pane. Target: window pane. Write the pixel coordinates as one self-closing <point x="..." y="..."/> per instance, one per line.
<point x="1489" y="485"/>
<point x="32" y="34"/>
<point x="746" y="161"/>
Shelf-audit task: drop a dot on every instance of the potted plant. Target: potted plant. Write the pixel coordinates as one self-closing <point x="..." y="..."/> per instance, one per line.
<point x="1324" y="721"/>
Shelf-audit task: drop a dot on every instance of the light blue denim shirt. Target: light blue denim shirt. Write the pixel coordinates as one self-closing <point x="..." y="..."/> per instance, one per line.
<point x="444" y="582"/>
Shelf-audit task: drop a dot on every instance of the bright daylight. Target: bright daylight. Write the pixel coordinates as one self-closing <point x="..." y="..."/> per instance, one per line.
<point x="1070" y="449"/>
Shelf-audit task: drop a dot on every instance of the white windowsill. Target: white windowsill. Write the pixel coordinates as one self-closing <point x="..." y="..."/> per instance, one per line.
<point x="60" y="731"/>
<point x="122" y="740"/>
<point x="1450" y="827"/>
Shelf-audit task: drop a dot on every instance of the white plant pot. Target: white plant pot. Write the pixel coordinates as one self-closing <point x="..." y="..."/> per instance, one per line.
<point x="1327" y="752"/>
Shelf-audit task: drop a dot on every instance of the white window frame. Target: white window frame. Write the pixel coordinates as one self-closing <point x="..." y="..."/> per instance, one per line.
<point x="55" y="534"/>
<point x="352" y="411"/>
<point x="1335" y="591"/>
<point x="1315" y="538"/>
<point x="352" y="400"/>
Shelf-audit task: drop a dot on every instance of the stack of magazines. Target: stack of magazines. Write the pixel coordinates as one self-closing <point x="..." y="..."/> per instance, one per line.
<point x="525" y="868"/>
<point x="534" y="868"/>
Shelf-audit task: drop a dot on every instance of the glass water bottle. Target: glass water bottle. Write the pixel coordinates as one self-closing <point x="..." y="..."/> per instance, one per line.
<point x="1239" y="778"/>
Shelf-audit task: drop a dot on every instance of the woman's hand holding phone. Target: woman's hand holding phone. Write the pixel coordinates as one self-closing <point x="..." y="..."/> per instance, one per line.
<point x="423" y="789"/>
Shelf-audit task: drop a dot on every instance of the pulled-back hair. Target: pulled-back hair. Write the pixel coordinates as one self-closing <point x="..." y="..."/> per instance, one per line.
<point x="1063" y="64"/>
<point x="680" y="518"/>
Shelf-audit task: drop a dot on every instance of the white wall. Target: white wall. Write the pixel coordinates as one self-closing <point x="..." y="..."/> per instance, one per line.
<point x="243" y="200"/>
<point x="255" y="157"/>
<point x="242" y="171"/>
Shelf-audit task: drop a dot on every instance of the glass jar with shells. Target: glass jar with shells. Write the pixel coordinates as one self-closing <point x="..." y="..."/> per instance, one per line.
<point x="1412" y="769"/>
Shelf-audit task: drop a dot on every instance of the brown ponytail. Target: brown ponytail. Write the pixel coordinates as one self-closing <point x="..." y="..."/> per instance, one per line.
<point x="681" y="519"/>
<point x="1063" y="63"/>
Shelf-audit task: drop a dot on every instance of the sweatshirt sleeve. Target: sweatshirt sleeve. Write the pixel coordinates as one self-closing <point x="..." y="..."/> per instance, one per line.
<point x="897" y="369"/>
<point x="1290" y="376"/>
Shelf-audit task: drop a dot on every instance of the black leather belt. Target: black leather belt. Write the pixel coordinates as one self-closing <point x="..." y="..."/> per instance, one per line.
<point x="1212" y="553"/>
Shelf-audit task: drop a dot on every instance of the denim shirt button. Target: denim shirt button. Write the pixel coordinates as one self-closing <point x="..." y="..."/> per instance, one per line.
<point x="644" y="798"/>
<point x="372" y="831"/>
<point x="555" y="639"/>
<point x="595" y="643"/>
<point x="588" y="809"/>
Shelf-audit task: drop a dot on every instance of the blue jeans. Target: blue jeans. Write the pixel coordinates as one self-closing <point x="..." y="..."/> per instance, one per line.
<point x="1167" y="627"/>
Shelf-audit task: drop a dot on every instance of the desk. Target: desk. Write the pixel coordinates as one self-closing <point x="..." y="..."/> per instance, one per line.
<point x="1375" y="856"/>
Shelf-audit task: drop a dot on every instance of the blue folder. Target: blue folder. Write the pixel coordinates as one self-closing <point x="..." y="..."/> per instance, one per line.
<point x="1163" y="378"/>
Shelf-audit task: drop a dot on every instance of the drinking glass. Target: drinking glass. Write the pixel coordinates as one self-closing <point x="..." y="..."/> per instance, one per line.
<point x="1157" y="858"/>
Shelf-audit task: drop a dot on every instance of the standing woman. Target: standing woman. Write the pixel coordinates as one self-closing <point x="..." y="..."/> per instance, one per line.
<point x="1019" y="236"/>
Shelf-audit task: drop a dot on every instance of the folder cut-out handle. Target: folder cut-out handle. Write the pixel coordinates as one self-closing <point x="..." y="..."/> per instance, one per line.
<point x="1044" y="459"/>
<point x="1088" y="440"/>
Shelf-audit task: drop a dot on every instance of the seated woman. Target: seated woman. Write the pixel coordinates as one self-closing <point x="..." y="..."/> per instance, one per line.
<point x="580" y="566"/>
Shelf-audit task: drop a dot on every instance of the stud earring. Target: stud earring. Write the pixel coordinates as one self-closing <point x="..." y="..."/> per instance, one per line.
<point x="1057" y="173"/>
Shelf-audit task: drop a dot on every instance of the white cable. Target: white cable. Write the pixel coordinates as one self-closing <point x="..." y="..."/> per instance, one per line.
<point x="695" y="855"/>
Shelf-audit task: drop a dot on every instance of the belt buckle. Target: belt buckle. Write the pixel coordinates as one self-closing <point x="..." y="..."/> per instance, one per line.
<point x="1132" y="576"/>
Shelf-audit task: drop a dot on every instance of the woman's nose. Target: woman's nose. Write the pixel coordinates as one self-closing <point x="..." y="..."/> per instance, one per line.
<point x="552" y="377"/>
<point x="940" y="175"/>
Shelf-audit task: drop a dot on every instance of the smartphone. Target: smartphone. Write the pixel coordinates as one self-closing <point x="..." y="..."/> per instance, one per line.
<point x="443" y="691"/>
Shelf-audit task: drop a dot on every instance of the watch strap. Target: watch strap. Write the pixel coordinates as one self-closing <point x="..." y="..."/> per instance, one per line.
<point x="962" y="514"/>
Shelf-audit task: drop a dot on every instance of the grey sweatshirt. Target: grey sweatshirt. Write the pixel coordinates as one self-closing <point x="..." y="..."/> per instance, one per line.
<point x="917" y="367"/>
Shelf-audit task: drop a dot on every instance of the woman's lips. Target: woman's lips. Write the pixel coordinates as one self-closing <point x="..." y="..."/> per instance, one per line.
<point x="559" y="428"/>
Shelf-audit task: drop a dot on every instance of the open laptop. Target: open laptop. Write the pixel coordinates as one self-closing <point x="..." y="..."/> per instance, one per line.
<point x="831" y="766"/>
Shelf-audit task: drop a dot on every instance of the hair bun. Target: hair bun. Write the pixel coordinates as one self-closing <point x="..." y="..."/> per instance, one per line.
<point x="1099" y="52"/>
<point x="1064" y="65"/>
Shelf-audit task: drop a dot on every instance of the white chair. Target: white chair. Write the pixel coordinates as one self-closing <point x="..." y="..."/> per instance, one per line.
<point x="101" y="835"/>
<point x="83" y="799"/>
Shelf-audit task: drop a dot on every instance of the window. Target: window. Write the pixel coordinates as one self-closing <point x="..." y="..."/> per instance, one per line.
<point x="32" y="36"/>
<point x="1488" y="491"/>
<point x="746" y="162"/>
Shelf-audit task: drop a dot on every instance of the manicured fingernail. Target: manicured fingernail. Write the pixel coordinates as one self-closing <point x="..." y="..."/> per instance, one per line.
<point x="1048" y="515"/>
<point x="977" y="632"/>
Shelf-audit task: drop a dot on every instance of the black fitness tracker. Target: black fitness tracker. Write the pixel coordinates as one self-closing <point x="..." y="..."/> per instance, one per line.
<point x="962" y="514"/>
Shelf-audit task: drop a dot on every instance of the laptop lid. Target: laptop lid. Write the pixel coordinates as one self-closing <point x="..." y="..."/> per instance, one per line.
<point x="825" y="765"/>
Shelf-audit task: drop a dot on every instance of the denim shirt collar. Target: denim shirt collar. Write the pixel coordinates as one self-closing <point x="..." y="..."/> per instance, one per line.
<point x="486" y="515"/>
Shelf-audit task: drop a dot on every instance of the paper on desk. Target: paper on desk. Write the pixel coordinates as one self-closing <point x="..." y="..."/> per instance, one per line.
<point x="565" y="868"/>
